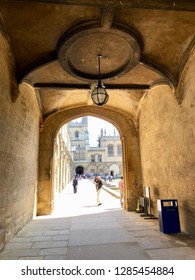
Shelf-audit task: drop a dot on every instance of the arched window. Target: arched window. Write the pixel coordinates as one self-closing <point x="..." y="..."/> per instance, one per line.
<point x="92" y="158"/>
<point x="76" y="135"/>
<point x="99" y="158"/>
<point x="119" y="150"/>
<point x="110" y="150"/>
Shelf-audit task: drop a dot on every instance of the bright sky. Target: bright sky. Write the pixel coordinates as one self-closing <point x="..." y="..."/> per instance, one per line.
<point x="95" y="125"/>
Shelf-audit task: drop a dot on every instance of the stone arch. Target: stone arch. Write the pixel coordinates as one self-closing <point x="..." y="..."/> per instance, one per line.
<point x="130" y="145"/>
<point x="114" y="168"/>
<point x="79" y="170"/>
<point x="187" y="74"/>
<point x="100" y="168"/>
<point x="90" y="167"/>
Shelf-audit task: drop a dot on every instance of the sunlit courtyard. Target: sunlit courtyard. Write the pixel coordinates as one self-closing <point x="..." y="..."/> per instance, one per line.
<point x="68" y="203"/>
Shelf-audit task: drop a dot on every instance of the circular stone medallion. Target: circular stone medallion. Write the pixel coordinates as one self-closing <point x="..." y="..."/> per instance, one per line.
<point x="119" y="53"/>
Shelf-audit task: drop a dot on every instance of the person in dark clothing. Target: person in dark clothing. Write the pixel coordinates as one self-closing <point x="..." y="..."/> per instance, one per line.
<point x="75" y="184"/>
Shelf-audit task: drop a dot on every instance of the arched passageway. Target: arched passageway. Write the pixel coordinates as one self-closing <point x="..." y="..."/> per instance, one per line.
<point x="130" y="154"/>
<point x="150" y="87"/>
<point x="79" y="170"/>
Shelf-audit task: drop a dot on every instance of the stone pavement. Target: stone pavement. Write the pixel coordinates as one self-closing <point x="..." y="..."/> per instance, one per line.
<point x="80" y="230"/>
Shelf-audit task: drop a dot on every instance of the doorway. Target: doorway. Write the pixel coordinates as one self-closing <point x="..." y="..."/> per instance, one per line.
<point x="79" y="170"/>
<point x="131" y="167"/>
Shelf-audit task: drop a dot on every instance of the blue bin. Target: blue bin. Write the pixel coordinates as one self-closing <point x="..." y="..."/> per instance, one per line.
<point x="168" y="215"/>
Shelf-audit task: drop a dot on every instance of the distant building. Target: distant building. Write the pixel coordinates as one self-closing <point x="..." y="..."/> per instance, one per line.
<point x="105" y="159"/>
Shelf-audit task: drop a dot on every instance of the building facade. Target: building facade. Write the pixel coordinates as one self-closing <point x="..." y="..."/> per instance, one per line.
<point x="104" y="159"/>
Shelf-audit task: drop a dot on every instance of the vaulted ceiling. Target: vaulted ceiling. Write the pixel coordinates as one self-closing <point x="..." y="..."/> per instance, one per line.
<point x="54" y="47"/>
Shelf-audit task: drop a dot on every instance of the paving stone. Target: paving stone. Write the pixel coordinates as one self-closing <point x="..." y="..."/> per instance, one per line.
<point x="181" y="253"/>
<point x="31" y="258"/>
<point x="60" y="237"/>
<point x="51" y="232"/>
<point x="94" y="225"/>
<point x="21" y="239"/>
<point x="144" y="233"/>
<point x="63" y="257"/>
<point x="42" y="238"/>
<point x="86" y="237"/>
<point x="18" y="245"/>
<point x="30" y="233"/>
<point x="15" y="254"/>
<point x="9" y="258"/>
<point x="133" y="227"/>
<point x="152" y="242"/>
<point x="53" y="252"/>
<point x="93" y="219"/>
<point x="52" y="227"/>
<point x="63" y="232"/>
<point x="116" y="251"/>
<point x="51" y="244"/>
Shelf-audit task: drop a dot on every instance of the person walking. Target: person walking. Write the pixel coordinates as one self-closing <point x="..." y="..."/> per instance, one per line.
<point x="99" y="184"/>
<point x="121" y="188"/>
<point x="75" y="184"/>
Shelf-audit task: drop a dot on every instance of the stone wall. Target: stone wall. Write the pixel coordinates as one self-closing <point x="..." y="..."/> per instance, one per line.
<point x="167" y="145"/>
<point x="19" y="134"/>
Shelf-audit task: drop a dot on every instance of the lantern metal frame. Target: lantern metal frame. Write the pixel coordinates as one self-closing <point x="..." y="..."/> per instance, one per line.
<point x="99" y="95"/>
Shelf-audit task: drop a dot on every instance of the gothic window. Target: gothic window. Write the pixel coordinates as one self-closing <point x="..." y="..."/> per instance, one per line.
<point x="92" y="158"/>
<point x="110" y="150"/>
<point x="99" y="158"/>
<point x="76" y="134"/>
<point x="119" y="150"/>
<point x="86" y="135"/>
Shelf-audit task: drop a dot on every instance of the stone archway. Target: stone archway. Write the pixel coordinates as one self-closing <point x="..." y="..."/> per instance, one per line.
<point x="114" y="169"/>
<point x="130" y="155"/>
<point x="79" y="170"/>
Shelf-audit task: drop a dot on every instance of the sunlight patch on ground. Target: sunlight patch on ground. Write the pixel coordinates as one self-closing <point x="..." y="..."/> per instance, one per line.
<point x="69" y="204"/>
